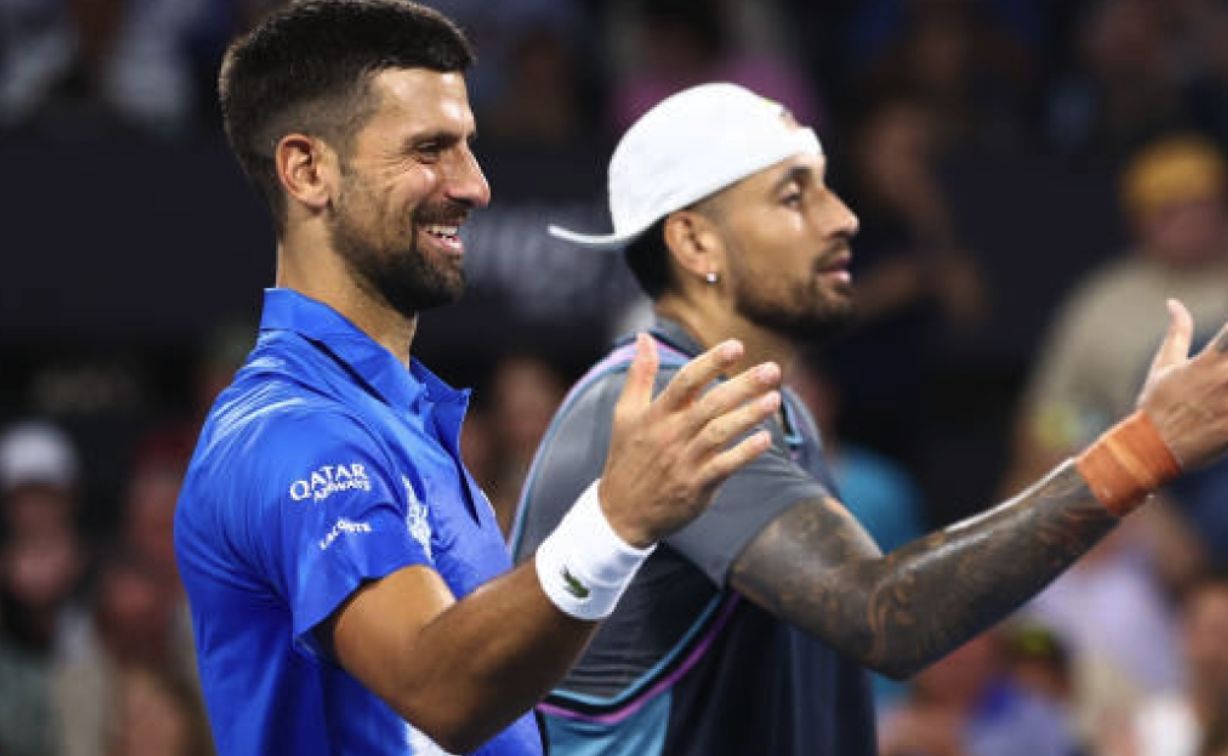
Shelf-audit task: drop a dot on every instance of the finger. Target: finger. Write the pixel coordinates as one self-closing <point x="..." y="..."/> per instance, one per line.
<point x="722" y="430"/>
<point x="699" y="372"/>
<point x="637" y="391"/>
<point x="1219" y="344"/>
<point x="734" y="392"/>
<point x="1175" y="348"/>
<point x="722" y="465"/>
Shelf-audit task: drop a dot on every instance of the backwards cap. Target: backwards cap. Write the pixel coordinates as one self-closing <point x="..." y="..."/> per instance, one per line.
<point x="688" y="146"/>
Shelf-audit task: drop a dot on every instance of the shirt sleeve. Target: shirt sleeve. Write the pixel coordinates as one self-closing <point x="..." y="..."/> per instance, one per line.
<point x="337" y="510"/>
<point x="742" y="507"/>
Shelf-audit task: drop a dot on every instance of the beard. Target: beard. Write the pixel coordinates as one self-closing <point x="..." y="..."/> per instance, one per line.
<point x="805" y="312"/>
<point x="387" y="266"/>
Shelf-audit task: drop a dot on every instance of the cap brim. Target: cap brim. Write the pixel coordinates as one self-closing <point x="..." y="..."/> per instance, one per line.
<point x="592" y="241"/>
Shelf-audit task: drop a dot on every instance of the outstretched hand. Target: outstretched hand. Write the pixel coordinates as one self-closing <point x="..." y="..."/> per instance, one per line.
<point x="1187" y="398"/>
<point x="668" y="455"/>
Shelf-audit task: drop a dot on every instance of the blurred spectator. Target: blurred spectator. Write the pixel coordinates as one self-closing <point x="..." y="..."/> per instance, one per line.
<point x="967" y="704"/>
<point x="525" y="392"/>
<point x="38" y="480"/>
<point x="1188" y="721"/>
<point x="921" y="298"/>
<point x="1125" y="87"/>
<point x="41" y="563"/>
<point x="130" y="636"/>
<point x="147" y="530"/>
<point x="39" y="572"/>
<point x="532" y="79"/>
<point x="130" y="57"/>
<point x="1112" y="614"/>
<point x="1038" y="661"/>
<point x="663" y="46"/>
<point x="1174" y="194"/>
<point x="963" y="60"/>
<point x="1098" y="349"/>
<point x="38" y="46"/>
<point x="1203" y="55"/>
<point x="159" y="715"/>
<point x="540" y="102"/>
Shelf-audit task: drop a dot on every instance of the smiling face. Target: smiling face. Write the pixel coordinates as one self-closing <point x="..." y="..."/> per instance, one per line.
<point x="787" y="242"/>
<point x="409" y="180"/>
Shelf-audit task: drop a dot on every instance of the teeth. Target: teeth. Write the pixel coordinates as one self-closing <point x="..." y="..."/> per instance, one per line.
<point x="438" y="230"/>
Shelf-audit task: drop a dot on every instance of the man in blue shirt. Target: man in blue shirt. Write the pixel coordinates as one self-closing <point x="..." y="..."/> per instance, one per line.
<point x="350" y="590"/>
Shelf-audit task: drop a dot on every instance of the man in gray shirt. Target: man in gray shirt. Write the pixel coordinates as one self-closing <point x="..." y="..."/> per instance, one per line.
<point x="747" y="630"/>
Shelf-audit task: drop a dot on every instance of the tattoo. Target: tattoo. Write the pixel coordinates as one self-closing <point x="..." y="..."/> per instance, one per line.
<point x="815" y="567"/>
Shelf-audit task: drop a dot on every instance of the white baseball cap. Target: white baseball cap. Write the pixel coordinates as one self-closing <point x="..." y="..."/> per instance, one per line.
<point x="36" y="452"/>
<point x="688" y="146"/>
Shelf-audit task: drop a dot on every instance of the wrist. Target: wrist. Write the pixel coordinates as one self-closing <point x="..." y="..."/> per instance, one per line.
<point x="584" y="565"/>
<point x="636" y="538"/>
<point x="1128" y="462"/>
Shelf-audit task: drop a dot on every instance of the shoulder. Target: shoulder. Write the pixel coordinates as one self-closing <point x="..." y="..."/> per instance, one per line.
<point x="265" y="433"/>
<point x="596" y="392"/>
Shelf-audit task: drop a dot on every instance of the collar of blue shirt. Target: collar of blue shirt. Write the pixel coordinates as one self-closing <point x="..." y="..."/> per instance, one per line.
<point x="379" y="369"/>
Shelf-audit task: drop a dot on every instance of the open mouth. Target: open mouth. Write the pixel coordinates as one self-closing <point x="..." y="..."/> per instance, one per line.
<point x="446" y="235"/>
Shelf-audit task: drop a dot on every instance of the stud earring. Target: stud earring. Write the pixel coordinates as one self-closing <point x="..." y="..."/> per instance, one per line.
<point x="711" y="277"/>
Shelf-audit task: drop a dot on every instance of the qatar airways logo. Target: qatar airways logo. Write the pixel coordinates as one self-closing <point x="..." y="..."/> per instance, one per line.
<point x="330" y="479"/>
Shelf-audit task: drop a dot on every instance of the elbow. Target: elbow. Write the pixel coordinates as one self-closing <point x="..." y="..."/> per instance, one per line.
<point x="453" y="738"/>
<point x="461" y="742"/>
<point x="887" y="659"/>
<point x="454" y="728"/>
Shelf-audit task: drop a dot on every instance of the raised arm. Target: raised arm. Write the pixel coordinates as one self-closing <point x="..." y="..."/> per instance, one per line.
<point x="815" y="567"/>
<point x="462" y="670"/>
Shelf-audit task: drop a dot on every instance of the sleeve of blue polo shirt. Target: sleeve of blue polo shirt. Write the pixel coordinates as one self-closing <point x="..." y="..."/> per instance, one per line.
<point x="337" y="515"/>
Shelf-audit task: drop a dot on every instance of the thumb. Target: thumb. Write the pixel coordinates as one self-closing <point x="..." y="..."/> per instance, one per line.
<point x="1175" y="348"/>
<point x="637" y="391"/>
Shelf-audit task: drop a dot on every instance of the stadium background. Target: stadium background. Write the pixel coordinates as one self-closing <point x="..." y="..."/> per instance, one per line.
<point x="980" y="141"/>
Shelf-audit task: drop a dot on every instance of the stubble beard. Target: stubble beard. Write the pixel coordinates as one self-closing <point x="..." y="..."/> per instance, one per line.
<point x="396" y="272"/>
<point x="805" y="313"/>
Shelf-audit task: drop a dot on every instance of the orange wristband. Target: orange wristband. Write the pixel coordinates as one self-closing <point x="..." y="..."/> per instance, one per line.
<point x="1129" y="461"/>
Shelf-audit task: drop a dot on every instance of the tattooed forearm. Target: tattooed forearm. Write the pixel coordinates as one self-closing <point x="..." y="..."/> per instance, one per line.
<point x="815" y="567"/>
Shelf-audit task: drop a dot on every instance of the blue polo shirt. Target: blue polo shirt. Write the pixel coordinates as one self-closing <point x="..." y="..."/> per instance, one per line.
<point x="324" y="465"/>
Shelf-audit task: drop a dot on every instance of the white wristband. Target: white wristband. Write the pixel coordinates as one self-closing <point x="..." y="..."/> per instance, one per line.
<point x="583" y="566"/>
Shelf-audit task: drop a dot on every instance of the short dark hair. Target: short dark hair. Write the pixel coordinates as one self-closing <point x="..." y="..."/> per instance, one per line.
<point x="307" y="67"/>
<point x="648" y="257"/>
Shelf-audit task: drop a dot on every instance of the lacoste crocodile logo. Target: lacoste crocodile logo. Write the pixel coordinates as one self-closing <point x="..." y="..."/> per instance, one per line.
<point x="574" y="586"/>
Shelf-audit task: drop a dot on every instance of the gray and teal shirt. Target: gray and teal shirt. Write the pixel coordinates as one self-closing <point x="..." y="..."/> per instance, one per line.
<point x="685" y="665"/>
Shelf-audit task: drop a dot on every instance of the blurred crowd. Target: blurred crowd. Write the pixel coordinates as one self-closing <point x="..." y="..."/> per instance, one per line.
<point x="1124" y="656"/>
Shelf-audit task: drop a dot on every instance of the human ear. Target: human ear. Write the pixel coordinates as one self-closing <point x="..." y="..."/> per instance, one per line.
<point x="696" y="245"/>
<point x="307" y="169"/>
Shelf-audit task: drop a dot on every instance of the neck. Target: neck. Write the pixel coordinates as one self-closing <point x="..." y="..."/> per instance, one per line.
<point x="313" y="269"/>
<point x="710" y="325"/>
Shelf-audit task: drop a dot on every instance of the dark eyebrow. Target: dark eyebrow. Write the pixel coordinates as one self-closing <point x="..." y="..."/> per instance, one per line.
<point x="445" y="138"/>
<point x="799" y="174"/>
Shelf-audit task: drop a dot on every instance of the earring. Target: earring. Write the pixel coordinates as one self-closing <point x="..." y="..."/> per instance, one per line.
<point x="711" y="277"/>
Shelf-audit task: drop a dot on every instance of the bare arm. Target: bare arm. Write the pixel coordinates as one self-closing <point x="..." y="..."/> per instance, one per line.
<point x="815" y="567"/>
<point x="462" y="670"/>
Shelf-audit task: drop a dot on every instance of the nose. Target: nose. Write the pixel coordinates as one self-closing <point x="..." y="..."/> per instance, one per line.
<point x="846" y="222"/>
<point x="466" y="183"/>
